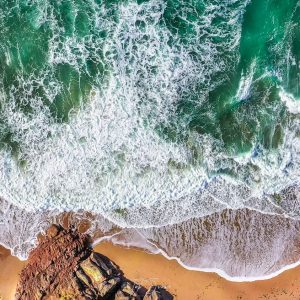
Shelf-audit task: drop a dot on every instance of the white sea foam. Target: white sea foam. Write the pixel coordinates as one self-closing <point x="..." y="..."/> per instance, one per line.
<point x="109" y="158"/>
<point x="292" y="104"/>
<point x="245" y="83"/>
<point x="107" y="149"/>
<point x="240" y="245"/>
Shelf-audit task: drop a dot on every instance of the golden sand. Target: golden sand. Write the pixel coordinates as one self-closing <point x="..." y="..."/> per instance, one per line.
<point x="10" y="268"/>
<point x="148" y="269"/>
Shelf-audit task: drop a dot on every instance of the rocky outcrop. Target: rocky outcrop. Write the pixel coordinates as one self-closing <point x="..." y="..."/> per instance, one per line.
<point x="156" y="293"/>
<point x="64" y="266"/>
<point x="129" y="291"/>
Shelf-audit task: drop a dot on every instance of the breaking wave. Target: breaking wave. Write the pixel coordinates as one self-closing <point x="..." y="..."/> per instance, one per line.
<point x="169" y="118"/>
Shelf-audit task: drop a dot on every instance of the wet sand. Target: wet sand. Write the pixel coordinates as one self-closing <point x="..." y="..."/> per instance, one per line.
<point x="148" y="269"/>
<point x="10" y="268"/>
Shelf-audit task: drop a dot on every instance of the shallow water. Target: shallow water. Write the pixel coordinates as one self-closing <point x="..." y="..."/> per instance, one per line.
<point x="152" y="114"/>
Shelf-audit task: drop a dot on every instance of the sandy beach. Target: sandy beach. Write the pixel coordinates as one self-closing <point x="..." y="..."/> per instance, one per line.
<point x="148" y="269"/>
<point x="10" y="267"/>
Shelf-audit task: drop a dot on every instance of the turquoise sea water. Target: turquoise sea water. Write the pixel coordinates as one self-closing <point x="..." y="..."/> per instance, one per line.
<point x="150" y="113"/>
<point x="56" y="52"/>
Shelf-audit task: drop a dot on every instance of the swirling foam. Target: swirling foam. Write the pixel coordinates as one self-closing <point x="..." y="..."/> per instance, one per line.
<point x="109" y="158"/>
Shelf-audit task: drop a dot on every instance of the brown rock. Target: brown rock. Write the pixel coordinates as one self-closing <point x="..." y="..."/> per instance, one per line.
<point x="52" y="263"/>
<point x="108" y="287"/>
<point x="122" y="296"/>
<point x="128" y="291"/>
<point x="107" y="266"/>
<point x="157" y="293"/>
<point x="52" y="231"/>
<point x="91" y="270"/>
<point x="64" y="267"/>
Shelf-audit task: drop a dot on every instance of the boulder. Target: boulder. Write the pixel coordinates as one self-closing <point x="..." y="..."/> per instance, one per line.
<point x="129" y="291"/>
<point x="157" y="293"/>
<point x="63" y="266"/>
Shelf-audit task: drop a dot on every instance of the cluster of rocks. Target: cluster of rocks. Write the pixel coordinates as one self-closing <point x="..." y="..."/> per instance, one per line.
<point x="64" y="266"/>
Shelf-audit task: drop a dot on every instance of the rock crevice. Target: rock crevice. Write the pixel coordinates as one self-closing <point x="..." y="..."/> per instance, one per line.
<point x="64" y="266"/>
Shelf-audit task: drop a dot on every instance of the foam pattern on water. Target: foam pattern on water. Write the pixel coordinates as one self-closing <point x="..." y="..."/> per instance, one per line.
<point x="250" y="245"/>
<point x="111" y="156"/>
<point x="246" y="244"/>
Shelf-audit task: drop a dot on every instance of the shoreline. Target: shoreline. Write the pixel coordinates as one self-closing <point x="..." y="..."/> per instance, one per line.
<point x="224" y="275"/>
<point x="10" y="268"/>
<point x="217" y="271"/>
<point x="195" y="284"/>
<point x="149" y="269"/>
<point x="85" y="220"/>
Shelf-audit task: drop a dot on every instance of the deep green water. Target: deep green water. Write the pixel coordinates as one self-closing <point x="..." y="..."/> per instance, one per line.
<point x="35" y="63"/>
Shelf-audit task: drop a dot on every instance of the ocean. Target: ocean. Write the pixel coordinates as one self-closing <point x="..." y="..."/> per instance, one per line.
<point x="171" y="125"/>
